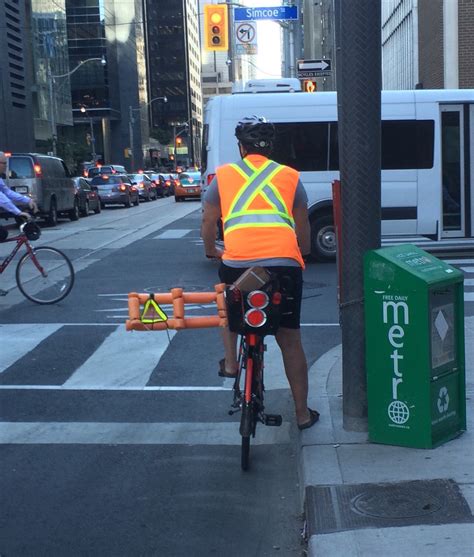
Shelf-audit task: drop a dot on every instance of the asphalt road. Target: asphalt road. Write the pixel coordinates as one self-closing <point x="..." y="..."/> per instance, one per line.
<point x="116" y="443"/>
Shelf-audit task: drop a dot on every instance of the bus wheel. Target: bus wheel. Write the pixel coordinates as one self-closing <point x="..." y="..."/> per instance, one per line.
<point x="323" y="238"/>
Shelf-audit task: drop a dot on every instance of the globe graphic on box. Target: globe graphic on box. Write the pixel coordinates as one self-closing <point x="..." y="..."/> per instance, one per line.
<point x="398" y="412"/>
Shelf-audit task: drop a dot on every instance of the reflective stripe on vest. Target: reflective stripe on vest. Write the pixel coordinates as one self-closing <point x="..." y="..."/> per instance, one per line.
<point x="257" y="182"/>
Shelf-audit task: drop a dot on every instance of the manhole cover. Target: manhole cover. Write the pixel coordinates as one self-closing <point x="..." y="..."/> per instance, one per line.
<point x="349" y="507"/>
<point x="395" y="502"/>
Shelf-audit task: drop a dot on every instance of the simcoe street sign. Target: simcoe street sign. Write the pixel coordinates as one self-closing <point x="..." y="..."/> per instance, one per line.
<point x="276" y="13"/>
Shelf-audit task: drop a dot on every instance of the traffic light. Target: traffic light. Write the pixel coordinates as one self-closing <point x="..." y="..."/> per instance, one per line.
<point x="178" y="141"/>
<point x="310" y="86"/>
<point x="216" y="27"/>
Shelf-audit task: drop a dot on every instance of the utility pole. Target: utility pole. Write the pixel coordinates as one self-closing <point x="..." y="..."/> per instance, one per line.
<point x="91" y="124"/>
<point x="358" y="34"/>
<point x="52" y="108"/>
<point x="131" y="121"/>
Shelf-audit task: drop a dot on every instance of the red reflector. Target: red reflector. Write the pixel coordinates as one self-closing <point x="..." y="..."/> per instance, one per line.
<point x="257" y="299"/>
<point x="276" y="298"/>
<point x="255" y="317"/>
<point x="210" y="177"/>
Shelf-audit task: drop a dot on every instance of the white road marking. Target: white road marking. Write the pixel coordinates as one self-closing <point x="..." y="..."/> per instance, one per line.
<point x="122" y="359"/>
<point x="468" y="269"/>
<point x="145" y="388"/>
<point x="469" y="296"/>
<point x="172" y="234"/>
<point x="225" y="433"/>
<point x="458" y="261"/>
<point x="18" y="340"/>
<point x="468" y="282"/>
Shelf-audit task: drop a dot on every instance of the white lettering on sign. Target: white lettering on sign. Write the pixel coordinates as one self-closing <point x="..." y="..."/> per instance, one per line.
<point x="259" y="13"/>
<point x="396" y="334"/>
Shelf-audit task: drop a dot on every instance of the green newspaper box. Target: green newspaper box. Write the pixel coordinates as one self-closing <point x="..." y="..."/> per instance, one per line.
<point x="414" y="326"/>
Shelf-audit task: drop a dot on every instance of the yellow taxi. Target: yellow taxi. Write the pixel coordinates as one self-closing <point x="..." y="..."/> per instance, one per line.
<point x="188" y="186"/>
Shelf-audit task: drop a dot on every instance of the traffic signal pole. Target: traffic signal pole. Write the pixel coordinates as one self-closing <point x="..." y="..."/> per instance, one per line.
<point x="358" y="47"/>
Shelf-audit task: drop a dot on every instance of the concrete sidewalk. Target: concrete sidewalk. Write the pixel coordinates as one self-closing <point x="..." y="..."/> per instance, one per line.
<point x="425" y="504"/>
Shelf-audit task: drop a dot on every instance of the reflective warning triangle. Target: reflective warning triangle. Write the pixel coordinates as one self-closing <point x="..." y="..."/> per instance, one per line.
<point x="152" y="313"/>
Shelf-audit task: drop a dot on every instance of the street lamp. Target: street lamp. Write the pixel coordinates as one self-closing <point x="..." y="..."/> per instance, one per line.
<point x="51" y="83"/>
<point x="131" y="122"/>
<point x="91" y="124"/>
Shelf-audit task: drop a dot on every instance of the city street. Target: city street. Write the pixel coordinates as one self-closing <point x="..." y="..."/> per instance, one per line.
<point x="120" y="443"/>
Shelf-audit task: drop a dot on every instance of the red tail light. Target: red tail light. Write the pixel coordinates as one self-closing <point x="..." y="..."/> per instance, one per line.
<point x="210" y="177"/>
<point x="177" y="183"/>
<point x="122" y="187"/>
<point x="258" y="299"/>
<point x="168" y="183"/>
<point x="255" y="317"/>
<point x="37" y="168"/>
<point x="276" y="298"/>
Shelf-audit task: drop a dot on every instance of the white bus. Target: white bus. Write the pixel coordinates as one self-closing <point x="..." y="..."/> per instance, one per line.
<point x="427" y="156"/>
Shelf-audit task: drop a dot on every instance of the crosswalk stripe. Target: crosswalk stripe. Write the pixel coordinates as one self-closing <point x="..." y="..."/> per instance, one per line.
<point x="458" y="261"/>
<point x="123" y="359"/>
<point x="467" y="269"/>
<point x="18" y="340"/>
<point x="468" y="282"/>
<point x="172" y="234"/>
<point x="225" y="433"/>
<point x="469" y="296"/>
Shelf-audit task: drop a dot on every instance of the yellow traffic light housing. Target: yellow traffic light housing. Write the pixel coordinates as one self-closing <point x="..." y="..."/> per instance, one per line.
<point x="310" y="86"/>
<point x="216" y="27"/>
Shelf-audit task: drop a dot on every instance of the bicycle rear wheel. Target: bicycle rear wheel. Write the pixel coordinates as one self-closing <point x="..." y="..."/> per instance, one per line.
<point x="45" y="275"/>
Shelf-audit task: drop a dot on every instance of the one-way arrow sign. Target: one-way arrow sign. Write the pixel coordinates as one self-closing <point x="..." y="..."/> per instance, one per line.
<point x="313" y="68"/>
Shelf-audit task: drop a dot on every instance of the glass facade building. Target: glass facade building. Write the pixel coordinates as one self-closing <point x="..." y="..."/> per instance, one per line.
<point x="174" y="60"/>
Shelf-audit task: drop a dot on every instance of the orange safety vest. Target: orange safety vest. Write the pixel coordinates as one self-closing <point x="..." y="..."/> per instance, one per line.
<point x="257" y="197"/>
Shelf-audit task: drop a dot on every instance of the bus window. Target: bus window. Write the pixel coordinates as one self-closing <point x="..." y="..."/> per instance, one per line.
<point x="406" y="144"/>
<point x="302" y="145"/>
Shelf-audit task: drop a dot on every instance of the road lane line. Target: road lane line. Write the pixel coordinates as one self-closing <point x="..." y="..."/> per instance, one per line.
<point x="98" y="433"/>
<point x="172" y="234"/>
<point x="18" y="340"/>
<point x="122" y="359"/>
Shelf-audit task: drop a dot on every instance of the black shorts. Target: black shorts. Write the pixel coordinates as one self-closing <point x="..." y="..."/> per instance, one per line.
<point x="292" y="308"/>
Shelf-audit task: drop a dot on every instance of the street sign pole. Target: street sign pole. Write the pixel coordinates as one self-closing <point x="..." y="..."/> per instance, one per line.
<point x="359" y="109"/>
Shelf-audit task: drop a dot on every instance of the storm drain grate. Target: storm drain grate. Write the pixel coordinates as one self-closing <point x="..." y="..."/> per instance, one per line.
<point x="350" y="507"/>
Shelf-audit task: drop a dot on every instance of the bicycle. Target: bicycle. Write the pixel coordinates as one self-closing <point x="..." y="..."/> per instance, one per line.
<point x="44" y="275"/>
<point x="246" y="316"/>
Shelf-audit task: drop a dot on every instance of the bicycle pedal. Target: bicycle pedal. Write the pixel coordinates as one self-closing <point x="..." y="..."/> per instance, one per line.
<point x="273" y="420"/>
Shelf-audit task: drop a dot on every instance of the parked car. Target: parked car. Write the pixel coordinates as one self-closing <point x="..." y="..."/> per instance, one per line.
<point x="45" y="179"/>
<point x="87" y="196"/>
<point x="115" y="189"/>
<point x="159" y="183"/>
<point x="188" y="186"/>
<point x="146" y="188"/>
<point x="106" y="169"/>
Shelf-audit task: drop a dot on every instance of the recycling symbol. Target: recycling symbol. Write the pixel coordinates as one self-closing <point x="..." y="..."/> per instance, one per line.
<point x="443" y="400"/>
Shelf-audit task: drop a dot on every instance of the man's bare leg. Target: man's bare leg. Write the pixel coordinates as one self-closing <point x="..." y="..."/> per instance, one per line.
<point x="230" y="347"/>
<point x="296" y="369"/>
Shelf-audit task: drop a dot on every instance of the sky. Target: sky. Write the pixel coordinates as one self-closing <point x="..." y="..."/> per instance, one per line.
<point x="268" y="59"/>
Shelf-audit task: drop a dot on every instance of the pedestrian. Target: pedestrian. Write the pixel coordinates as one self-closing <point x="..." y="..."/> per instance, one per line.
<point x="8" y="197"/>
<point x="263" y="206"/>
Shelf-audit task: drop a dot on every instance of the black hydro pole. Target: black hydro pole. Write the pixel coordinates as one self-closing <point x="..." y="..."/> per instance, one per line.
<point x="358" y="37"/>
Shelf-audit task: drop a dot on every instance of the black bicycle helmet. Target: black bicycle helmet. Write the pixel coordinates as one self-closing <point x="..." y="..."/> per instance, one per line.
<point x="31" y="230"/>
<point x="255" y="131"/>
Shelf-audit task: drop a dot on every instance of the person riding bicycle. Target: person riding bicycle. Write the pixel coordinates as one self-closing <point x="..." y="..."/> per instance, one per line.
<point x="8" y="197"/>
<point x="263" y="206"/>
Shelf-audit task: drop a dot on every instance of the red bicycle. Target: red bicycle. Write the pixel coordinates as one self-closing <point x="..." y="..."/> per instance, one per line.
<point x="44" y="275"/>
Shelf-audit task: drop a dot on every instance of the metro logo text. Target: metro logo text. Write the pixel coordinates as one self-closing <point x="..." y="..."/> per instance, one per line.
<point x="396" y="314"/>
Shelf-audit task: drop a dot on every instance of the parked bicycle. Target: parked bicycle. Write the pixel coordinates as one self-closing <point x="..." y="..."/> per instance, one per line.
<point x="44" y="275"/>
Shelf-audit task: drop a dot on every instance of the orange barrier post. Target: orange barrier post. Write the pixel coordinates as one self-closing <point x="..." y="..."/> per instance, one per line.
<point x="178" y="300"/>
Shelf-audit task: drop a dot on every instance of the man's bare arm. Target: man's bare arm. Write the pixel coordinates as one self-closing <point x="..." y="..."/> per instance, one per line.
<point x="302" y="229"/>
<point x="210" y="218"/>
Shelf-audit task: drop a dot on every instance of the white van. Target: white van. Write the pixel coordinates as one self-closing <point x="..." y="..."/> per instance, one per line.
<point x="46" y="180"/>
<point x="427" y="143"/>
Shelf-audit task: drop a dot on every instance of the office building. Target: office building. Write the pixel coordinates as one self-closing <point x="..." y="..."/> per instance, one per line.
<point x="427" y="43"/>
<point x="174" y="72"/>
<point x="113" y="96"/>
<point x="16" y="107"/>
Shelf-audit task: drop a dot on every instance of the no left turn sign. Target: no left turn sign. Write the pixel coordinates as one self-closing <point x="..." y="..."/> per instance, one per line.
<point x="246" y="33"/>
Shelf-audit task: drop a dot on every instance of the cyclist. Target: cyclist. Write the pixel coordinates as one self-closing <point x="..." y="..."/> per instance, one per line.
<point x="263" y="206"/>
<point x="8" y="197"/>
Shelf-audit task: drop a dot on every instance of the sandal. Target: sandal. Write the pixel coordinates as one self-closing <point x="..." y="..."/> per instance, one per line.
<point x="313" y="418"/>
<point x="222" y="371"/>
